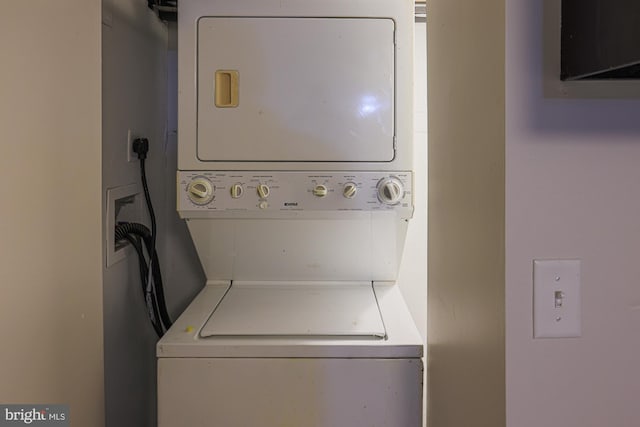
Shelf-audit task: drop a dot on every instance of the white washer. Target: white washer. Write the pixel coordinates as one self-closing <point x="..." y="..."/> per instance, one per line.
<point x="331" y="379"/>
<point x="295" y="127"/>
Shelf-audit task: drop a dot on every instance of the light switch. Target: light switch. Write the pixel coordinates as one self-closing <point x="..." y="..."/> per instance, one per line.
<point x="556" y="298"/>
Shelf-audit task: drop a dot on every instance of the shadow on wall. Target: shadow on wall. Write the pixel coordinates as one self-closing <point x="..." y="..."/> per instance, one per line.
<point x="183" y="272"/>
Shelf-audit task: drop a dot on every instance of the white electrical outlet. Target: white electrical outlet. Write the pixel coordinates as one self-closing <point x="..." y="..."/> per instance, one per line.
<point x="556" y="299"/>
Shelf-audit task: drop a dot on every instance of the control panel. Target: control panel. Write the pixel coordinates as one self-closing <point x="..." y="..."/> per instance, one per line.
<point x="260" y="191"/>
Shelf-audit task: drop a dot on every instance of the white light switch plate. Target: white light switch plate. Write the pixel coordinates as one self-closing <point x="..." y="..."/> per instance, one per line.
<point x="556" y="298"/>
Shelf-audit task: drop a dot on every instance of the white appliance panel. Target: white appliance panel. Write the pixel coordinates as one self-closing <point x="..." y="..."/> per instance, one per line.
<point x="364" y="248"/>
<point x="251" y="392"/>
<point x="297" y="309"/>
<point x="308" y="89"/>
<point x="234" y="193"/>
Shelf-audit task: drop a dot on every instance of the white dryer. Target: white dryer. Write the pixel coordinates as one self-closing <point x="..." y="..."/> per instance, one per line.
<point x="295" y="127"/>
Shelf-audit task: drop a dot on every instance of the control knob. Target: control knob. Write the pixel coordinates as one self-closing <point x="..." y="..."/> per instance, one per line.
<point x="350" y="189"/>
<point x="390" y="190"/>
<point x="320" y="190"/>
<point x="200" y="191"/>
<point x="236" y="191"/>
<point x="263" y="191"/>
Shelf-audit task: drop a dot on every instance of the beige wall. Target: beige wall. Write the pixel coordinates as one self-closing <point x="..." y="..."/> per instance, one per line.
<point x="572" y="192"/>
<point x="466" y="213"/>
<point x="50" y="219"/>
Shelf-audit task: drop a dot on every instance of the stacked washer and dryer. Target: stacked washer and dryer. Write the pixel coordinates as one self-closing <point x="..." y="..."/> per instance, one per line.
<point x="294" y="157"/>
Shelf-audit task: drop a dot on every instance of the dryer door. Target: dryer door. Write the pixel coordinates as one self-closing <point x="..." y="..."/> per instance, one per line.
<point x="295" y="89"/>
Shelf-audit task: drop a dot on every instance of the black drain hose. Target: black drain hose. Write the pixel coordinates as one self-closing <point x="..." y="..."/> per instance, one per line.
<point x="137" y="234"/>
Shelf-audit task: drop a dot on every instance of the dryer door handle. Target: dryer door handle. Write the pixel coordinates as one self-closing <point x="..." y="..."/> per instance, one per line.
<point x="227" y="88"/>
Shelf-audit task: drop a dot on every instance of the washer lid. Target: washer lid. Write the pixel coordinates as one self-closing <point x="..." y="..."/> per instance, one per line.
<point x="297" y="309"/>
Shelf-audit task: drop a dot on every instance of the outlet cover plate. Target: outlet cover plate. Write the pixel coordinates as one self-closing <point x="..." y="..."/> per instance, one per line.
<point x="113" y="195"/>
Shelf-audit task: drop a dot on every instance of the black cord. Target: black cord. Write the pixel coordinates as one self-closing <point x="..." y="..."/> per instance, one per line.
<point x="158" y="295"/>
<point x="152" y="215"/>
<point x="137" y="245"/>
<point x="157" y="298"/>
<point x="141" y="147"/>
<point x="149" y="272"/>
<point x="153" y="312"/>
